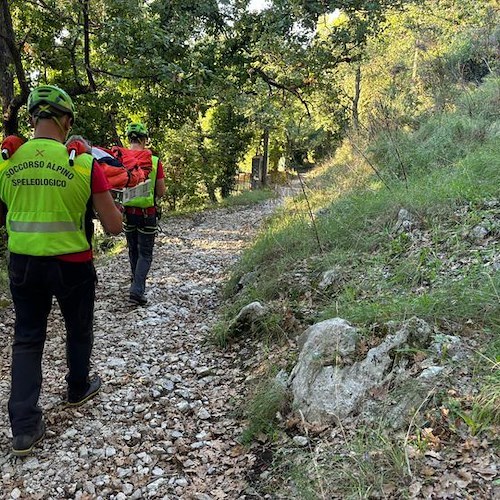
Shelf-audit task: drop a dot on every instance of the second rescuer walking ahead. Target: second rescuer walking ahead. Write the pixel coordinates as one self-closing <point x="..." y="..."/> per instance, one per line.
<point x="141" y="223"/>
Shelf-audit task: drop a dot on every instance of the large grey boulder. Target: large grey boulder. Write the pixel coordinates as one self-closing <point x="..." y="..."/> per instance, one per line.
<point x="330" y="381"/>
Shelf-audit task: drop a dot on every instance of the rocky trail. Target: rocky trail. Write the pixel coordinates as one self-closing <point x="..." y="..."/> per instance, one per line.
<point x="163" y="425"/>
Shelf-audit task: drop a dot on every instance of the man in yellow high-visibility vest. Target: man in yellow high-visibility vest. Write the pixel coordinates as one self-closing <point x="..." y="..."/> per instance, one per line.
<point x="141" y="222"/>
<point x="50" y="203"/>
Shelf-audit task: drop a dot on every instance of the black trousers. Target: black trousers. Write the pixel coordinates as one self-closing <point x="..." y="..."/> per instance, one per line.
<point x="34" y="281"/>
<point x="140" y="232"/>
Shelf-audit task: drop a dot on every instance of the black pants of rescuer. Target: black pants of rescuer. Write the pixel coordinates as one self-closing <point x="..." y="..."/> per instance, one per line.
<point x="34" y="281"/>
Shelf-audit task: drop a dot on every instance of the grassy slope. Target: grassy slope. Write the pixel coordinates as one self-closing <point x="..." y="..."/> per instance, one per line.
<point x="439" y="270"/>
<point x="449" y="193"/>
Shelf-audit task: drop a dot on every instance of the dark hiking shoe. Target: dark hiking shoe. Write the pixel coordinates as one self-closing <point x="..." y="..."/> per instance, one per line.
<point x="79" y="400"/>
<point x="23" y="444"/>
<point x="137" y="300"/>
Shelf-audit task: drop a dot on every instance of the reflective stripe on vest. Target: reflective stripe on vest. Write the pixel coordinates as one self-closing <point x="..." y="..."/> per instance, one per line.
<point x="42" y="227"/>
<point x="46" y="199"/>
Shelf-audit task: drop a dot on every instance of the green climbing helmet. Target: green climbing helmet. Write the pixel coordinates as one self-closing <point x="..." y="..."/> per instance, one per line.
<point x="52" y="96"/>
<point x="137" y="130"/>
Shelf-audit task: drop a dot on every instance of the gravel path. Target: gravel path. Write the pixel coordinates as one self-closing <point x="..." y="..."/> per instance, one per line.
<point x="162" y="427"/>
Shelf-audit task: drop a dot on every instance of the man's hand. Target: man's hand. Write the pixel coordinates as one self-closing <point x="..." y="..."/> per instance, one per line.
<point x="76" y="148"/>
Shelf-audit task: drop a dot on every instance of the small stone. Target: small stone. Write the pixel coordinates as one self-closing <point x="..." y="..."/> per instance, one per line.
<point x="202" y="496"/>
<point x="31" y="464"/>
<point x="203" y="371"/>
<point x="128" y="488"/>
<point x="158" y="471"/>
<point x="300" y="440"/>
<point x="203" y="414"/>
<point x="15" y="493"/>
<point x="181" y="482"/>
<point x="198" y="445"/>
<point x="89" y="487"/>
<point x="431" y="372"/>
<point x="183" y="406"/>
<point x="479" y="233"/>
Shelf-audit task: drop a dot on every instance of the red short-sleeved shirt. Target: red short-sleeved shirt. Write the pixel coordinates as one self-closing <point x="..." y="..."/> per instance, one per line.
<point x="99" y="184"/>
<point x="160" y="174"/>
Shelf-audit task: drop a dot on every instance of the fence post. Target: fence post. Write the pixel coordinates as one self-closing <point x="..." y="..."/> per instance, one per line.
<point x="256" y="181"/>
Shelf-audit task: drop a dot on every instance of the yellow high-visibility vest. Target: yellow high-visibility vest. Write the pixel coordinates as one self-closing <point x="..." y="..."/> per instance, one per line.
<point x="46" y="199"/>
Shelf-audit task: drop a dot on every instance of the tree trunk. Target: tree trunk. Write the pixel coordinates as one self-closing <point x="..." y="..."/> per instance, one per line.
<point x="265" y="158"/>
<point x="86" y="43"/>
<point x="10" y="59"/>
<point x="6" y="78"/>
<point x="210" y="187"/>
<point x="355" y="100"/>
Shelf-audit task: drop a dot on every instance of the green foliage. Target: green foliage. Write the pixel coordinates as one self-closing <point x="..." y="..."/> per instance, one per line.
<point x="303" y="71"/>
<point x="482" y="412"/>
<point x="390" y="274"/>
<point x="429" y="53"/>
<point x="443" y="139"/>
<point x="106" y="246"/>
<point x="229" y="138"/>
<point x="185" y="163"/>
<point x="267" y="329"/>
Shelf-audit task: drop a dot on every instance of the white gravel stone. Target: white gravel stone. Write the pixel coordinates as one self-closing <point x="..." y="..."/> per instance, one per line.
<point x="183" y="406"/>
<point x="128" y="488"/>
<point x="203" y="414"/>
<point x="301" y="440"/>
<point x="158" y="471"/>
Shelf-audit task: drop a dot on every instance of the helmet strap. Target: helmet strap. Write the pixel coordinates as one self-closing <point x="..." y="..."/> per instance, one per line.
<point x="64" y="131"/>
<point x="46" y="112"/>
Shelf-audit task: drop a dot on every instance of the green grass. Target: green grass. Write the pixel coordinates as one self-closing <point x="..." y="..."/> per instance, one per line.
<point x="484" y="413"/>
<point x="106" y="246"/>
<point x="247" y="198"/>
<point x="436" y="272"/>
<point x="369" y="464"/>
<point x="268" y="398"/>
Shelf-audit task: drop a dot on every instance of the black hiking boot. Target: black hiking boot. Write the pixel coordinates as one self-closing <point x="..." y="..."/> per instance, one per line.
<point x="137" y="300"/>
<point x="23" y="444"/>
<point x="75" y="400"/>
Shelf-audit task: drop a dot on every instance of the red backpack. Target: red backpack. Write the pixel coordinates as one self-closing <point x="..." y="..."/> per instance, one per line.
<point x="118" y="175"/>
<point x="135" y="159"/>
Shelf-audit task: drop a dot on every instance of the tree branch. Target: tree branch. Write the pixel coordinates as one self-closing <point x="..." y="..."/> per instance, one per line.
<point x="273" y="83"/>
<point x="125" y="77"/>
<point x="86" y="43"/>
